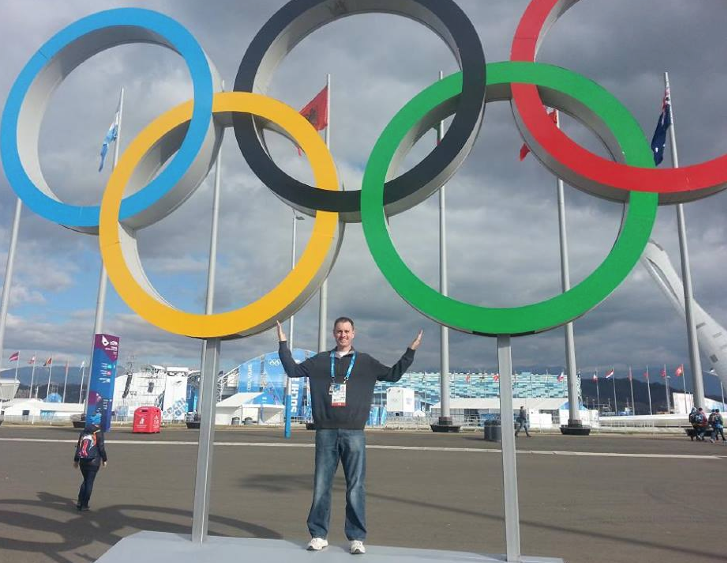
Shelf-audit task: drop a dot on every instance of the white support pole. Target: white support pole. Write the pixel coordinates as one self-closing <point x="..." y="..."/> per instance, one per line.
<point x="509" y="462"/>
<point x="323" y="304"/>
<point x="203" y="478"/>
<point x="695" y="360"/>
<point x="445" y="417"/>
<point x="10" y="265"/>
<point x="103" y="277"/>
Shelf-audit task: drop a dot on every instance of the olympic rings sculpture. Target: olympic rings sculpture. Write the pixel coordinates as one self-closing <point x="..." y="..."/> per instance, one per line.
<point x="192" y="132"/>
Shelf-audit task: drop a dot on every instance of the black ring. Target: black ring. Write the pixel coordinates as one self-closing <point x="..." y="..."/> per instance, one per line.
<point x="296" y="20"/>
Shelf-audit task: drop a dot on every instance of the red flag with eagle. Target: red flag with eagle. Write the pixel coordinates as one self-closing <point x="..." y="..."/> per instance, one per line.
<point x="679" y="371"/>
<point x="316" y="111"/>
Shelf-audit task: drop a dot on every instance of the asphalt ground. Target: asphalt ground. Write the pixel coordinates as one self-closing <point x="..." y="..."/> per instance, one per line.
<point x="603" y="498"/>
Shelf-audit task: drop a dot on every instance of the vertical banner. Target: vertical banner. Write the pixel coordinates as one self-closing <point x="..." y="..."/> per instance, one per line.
<point x="101" y="382"/>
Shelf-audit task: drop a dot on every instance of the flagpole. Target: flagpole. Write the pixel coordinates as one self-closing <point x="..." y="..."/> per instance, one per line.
<point x="598" y="395"/>
<point x="323" y="302"/>
<point x="291" y="333"/>
<point x="83" y="375"/>
<point x="615" y="403"/>
<point x="631" y="383"/>
<point x="103" y="277"/>
<point x="65" y="382"/>
<point x="50" y="373"/>
<point x="32" y="376"/>
<point x="445" y="418"/>
<point x="684" y="385"/>
<point x="10" y="264"/>
<point x="695" y="360"/>
<point x="648" y="388"/>
<point x="574" y="418"/>
<point x="666" y="382"/>
<point x="17" y="365"/>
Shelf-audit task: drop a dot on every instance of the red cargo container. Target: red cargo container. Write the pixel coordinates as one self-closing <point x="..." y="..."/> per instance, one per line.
<point x="148" y="420"/>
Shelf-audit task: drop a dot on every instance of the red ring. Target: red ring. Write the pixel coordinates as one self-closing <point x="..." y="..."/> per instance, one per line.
<point x="675" y="185"/>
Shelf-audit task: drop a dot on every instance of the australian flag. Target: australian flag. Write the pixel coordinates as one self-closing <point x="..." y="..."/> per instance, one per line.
<point x="658" y="141"/>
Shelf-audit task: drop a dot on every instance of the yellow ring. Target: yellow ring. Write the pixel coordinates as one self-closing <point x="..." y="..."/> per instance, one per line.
<point x="118" y="243"/>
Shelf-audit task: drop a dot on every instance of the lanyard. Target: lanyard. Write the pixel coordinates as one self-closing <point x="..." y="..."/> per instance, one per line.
<point x="348" y="371"/>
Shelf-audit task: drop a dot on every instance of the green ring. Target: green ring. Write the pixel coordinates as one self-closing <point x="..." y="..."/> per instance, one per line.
<point x="544" y="315"/>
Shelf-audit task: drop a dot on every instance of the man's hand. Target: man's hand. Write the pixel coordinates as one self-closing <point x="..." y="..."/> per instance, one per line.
<point x="105" y="463"/>
<point x="281" y="334"/>
<point x="417" y="341"/>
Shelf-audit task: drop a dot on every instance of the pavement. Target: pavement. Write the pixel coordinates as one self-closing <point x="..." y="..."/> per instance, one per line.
<point x="602" y="498"/>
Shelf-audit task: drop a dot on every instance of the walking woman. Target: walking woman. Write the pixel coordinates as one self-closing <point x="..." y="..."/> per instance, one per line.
<point x="90" y="454"/>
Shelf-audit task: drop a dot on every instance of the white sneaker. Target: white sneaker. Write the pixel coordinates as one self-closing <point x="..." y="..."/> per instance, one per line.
<point x="316" y="544"/>
<point x="357" y="548"/>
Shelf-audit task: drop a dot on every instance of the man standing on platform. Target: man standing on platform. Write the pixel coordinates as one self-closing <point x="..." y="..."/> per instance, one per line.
<point x="341" y="387"/>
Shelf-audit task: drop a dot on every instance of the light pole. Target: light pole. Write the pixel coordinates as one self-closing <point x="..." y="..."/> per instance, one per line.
<point x="288" y="382"/>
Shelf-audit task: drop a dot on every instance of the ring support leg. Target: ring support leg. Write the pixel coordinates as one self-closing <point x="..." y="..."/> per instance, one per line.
<point x="509" y="465"/>
<point x="203" y="480"/>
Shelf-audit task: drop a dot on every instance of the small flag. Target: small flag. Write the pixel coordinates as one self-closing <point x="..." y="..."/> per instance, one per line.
<point x="658" y="141"/>
<point x="679" y="371"/>
<point x="496" y="377"/>
<point x="561" y="376"/>
<point x="14" y="357"/>
<point x="467" y="379"/>
<point x="48" y="362"/>
<point x="316" y="111"/>
<point x="631" y="376"/>
<point x="111" y="135"/>
<point x="31" y="360"/>
<point x="646" y="374"/>
<point x="83" y="364"/>
<point x="609" y="373"/>
<point x="524" y="150"/>
<point x="663" y="372"/>
<point x="595" y="377"/>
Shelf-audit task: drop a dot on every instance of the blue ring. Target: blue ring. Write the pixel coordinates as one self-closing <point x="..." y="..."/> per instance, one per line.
<point x="182" y="42"/>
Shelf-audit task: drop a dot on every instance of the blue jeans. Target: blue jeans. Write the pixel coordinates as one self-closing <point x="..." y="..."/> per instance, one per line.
<point x="350" y="447"/>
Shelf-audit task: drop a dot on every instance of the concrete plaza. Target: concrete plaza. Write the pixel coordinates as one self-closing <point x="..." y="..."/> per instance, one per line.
<point x="605" y="498"/>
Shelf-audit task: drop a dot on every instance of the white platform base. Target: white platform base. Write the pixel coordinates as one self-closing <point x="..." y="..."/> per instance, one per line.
<point x="158" y="547"/>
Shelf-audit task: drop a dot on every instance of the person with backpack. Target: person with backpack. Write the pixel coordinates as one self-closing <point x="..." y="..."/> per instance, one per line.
<point x="715" y="419"/>
<point x="701" y="422"/>
<point x="90" y="455"/>
<point x="693" y="422"/>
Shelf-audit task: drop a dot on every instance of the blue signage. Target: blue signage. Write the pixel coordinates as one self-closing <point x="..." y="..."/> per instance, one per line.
<point x="101" y="382"/>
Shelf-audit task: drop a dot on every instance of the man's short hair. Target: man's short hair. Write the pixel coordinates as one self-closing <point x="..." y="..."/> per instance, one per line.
<point x="343" y="320"/>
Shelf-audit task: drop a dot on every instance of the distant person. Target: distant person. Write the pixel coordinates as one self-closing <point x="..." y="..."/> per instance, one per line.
<point x="90" y="455"/>
<point x="693" y="422"/>
<point x="522" y="420"/>
<point x="341" y="396"/>
<point x="715" y="419"/>
<point x="702" y="423"/>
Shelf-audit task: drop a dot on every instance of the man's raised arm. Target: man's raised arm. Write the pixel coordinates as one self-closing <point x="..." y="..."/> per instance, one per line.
<point x="286" y="357"/>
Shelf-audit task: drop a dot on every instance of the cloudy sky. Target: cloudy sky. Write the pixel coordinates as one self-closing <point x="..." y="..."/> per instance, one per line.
<point x="501" y="214"/>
